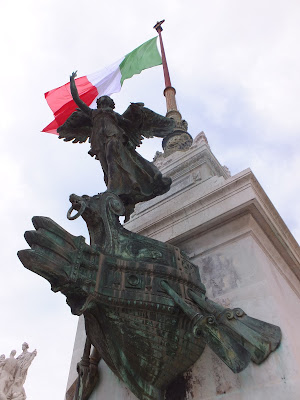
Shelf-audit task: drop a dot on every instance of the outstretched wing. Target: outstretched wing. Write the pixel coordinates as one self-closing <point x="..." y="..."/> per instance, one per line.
<point x="143" y="122"/>
<point x="76" y="128"/>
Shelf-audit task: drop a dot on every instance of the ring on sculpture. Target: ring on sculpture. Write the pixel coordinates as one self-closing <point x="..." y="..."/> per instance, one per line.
<point x="79" y="213"/>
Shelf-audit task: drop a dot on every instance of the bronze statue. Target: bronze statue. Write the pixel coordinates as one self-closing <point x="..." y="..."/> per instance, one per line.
<point x="113" y="139"/>
<point x="145" y="306"/>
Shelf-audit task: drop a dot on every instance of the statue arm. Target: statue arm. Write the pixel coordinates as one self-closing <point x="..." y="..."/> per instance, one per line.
<point x="74" y="92"/>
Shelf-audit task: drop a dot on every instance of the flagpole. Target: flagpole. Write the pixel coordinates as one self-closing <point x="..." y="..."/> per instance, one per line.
<point x="180" y="139"/>
<point x="169" y="91"/>
<point x="159" y="29"/>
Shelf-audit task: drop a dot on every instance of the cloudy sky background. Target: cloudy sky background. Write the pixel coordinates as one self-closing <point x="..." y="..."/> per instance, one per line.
<point x="236" y="68"/>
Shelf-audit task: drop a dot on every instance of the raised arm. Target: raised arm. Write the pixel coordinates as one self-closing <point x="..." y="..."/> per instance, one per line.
<point x="74" y="92"/>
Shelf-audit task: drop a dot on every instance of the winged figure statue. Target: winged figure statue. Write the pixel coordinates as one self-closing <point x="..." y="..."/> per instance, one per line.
<point x="114" y="138"/>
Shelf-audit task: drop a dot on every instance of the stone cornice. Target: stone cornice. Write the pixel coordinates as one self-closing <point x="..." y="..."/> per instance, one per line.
<point x="203" y="206"/>
<point x="195" y="161"/>
<point x="185" y="168"/>
<point x="187" y="158"/>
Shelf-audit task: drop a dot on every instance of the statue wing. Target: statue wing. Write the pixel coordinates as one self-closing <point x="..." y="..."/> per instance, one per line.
<point x="78" y="128"/>
<point x="141" y="122"/>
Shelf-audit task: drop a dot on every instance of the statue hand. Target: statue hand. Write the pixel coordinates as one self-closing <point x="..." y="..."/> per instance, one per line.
<point x="74" y="74"/>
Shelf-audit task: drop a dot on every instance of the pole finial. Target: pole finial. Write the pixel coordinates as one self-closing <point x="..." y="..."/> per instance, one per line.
<point x="158" y="24"/>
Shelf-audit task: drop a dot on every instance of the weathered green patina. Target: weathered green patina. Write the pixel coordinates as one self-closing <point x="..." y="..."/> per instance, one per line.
<point x="143" y="301"/>
<point x="145" y="308"/>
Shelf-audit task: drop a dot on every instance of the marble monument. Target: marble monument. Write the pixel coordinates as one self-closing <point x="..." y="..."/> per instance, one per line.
<point x="13" y="372"/>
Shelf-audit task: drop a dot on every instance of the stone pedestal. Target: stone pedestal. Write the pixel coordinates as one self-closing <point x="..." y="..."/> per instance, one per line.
<point x="247" y="258"/>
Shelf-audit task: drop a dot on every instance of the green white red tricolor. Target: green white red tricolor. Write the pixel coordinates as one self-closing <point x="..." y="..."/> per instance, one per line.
<point x="104" y="82"/>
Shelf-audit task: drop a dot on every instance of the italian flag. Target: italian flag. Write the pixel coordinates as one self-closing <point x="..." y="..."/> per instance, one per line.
<point x="104" y="82"/>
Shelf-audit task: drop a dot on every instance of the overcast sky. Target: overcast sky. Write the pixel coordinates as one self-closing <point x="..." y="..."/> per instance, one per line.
<point x="236" y="68"/>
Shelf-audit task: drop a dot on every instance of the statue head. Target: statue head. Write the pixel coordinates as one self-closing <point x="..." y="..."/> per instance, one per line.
<point x="105" y="101"/>
<point x="13" y="353"/>
<point x="25" y="346"/>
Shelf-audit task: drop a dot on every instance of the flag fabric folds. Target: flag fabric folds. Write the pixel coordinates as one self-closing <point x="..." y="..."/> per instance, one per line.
<point x="104" y="82"/>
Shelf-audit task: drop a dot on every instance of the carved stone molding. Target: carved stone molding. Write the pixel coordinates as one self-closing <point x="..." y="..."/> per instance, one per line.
<point x="177" y="141"/>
